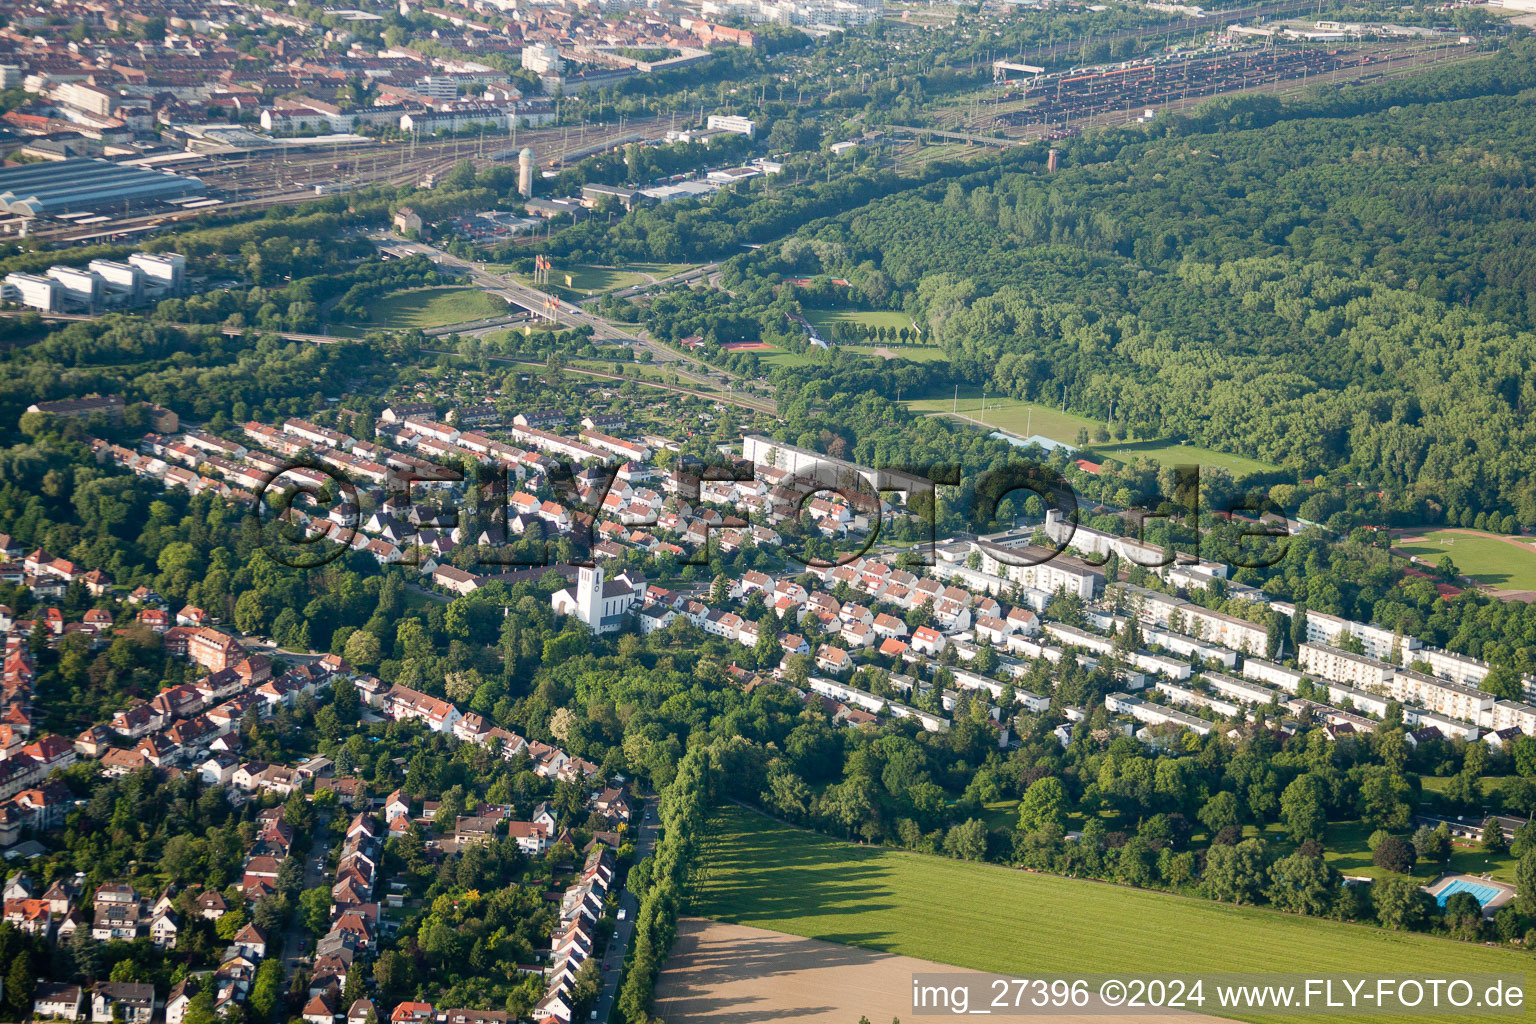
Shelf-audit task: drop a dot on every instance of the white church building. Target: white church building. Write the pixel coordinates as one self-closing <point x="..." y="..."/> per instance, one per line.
<point x="601" y="604"/>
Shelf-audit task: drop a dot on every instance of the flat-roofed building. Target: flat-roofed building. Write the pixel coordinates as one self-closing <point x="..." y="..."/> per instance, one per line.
<point x="34" y="290"/>
<point x="1363" y="701"/>
<point x="1288" y="679"/>
<point x="121" y="279"/>
<point x="82" y="288"/>
<point x="1181" y="693"/>
<point x="1340" y="666"/>
<point x="1377" y="642"/>
<point x="1240" y="689"/>
<point x="1154" y="714"/>
<point x="1467" y="703"/>
<point x="1040" y="569"/>
<point x="164" y="270"/>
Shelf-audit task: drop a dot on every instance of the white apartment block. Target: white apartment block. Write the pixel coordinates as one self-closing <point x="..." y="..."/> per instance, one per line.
<point x="1189" y="647"/>
<point x="1341" y="666"/>
<point x="1240" y="689"/>
<point x="1467" y="703"/>
<point x="1363" y="701"/>
<point x="1040" y="569"/>
<point x="1288" y="679"/>
<point x="1098" y="544"/>
<point x="1071" y="636"/>
<point x="1156" y="664"/>
<point x="846" y="694"/>
<point x="1199" y="623"/>
<point x="1451" y="728"/>
<point x="1506" y="714"/>
<point x="1196" y="698"/>
<point x="1458" y="668"/>
<point x="542" y="59"/>
<point x="1154" y="714"/>
<point x="1227" y="630"/>
<point x="1381" y="644"/>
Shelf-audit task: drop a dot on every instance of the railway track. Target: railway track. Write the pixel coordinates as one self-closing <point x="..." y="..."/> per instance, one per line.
<point x="1063" y="104"/>
<point x="280" y="179"/>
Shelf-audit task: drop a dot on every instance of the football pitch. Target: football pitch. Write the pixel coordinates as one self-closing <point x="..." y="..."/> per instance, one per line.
<point x="1026" y="419"/>
<point x="1508" y="563"/>
<point x="758" y="872"/>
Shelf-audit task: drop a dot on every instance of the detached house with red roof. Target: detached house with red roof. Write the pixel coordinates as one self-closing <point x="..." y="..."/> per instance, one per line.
<point x="927" y="640"/>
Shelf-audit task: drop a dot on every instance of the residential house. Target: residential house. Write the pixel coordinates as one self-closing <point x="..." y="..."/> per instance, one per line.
<point x="131" y="1002"/>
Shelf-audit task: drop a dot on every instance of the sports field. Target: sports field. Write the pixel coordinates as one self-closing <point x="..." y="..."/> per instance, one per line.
<point x="1022" y="418"/>
<point x="784" y="357"/>
<point x="1171" y="453"/>
<point x="824" y="319"/>
<point x="760" y="873"/>
<point x="1494" y="560"/>
<point x="916" y="353"/>
<point x="1026" y="419"/>
<point x="434" y="307"/>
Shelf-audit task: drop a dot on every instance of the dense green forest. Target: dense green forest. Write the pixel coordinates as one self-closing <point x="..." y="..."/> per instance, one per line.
<point x="1342" y="283"/>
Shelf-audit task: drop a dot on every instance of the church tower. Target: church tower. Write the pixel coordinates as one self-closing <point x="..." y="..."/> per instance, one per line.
<point x="589" y="597"/>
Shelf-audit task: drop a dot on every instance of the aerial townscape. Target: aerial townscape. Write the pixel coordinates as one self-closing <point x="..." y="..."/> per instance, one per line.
<point x="711" y="511"/>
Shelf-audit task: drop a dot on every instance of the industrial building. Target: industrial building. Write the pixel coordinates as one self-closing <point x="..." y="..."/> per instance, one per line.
<point x="730" y="123"/>
<point x="87" y="186"/>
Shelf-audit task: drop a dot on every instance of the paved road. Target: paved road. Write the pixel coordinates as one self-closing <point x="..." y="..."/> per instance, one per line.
<point x="297" y="942"/>
<point x="570" y="314"/>
<point x="682" y="277"/>
<point x="624" y="931"/>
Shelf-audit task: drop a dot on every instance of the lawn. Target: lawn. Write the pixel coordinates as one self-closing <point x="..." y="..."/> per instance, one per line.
<point x="760" y="873"/>
<point x="1345" y="848"/>
<point x="824" y="319"/>
<point x="434" y="307"/>
<point x="1022" y="418"/>
<point x="1026" y="419"/>
<point x="647" y="371"/>
<point x="916" y="353"/>
<point x="784" y="357"/>
<point x="591" y="280"/>
<point x="1171" y="453"/>
<point x="1505" y="562"/>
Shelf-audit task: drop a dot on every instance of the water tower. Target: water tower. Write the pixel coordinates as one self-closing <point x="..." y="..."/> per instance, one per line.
<point x="525" y="173"/>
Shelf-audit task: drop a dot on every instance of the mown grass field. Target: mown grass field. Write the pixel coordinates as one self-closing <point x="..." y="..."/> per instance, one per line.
<point x="916" y="353"/>
<point x="760" y="873"/>
<point x="1026" y="419"/>
<point x="824" y="319"/>
<point x="1171" y="453"/>
<point x="784" y="357"/>
<point x="1346" y="849"/>
<point x="1022" y="418"/>
<point x="434" y="307"/>
<point x="1508" y="563"/>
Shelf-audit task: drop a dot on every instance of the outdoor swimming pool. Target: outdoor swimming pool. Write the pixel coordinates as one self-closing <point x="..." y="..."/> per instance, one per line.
<point x="1482" y="893"/>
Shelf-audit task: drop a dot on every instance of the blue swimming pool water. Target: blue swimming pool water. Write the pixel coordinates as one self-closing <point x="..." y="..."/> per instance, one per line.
<point x="1482" y="893"/>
